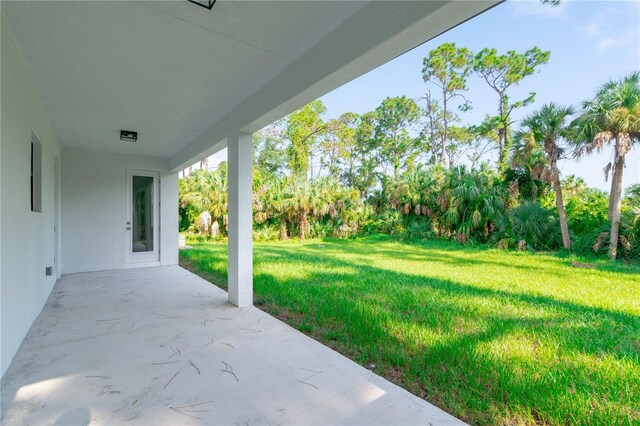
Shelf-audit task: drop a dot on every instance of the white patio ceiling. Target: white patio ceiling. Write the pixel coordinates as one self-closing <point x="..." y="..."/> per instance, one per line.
<point x="186" y="78"/>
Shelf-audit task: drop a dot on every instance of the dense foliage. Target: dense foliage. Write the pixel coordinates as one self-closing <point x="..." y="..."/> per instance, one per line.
<point x="410" y="169"/>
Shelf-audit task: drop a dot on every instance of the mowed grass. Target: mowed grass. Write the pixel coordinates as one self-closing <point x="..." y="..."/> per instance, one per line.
<point x="492" y="337"/>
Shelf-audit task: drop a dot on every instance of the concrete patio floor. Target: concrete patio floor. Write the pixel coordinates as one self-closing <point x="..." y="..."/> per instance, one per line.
<point x="158" y="346"/>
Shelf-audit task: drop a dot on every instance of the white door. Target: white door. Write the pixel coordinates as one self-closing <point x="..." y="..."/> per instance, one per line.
<point x="142" y="218"/>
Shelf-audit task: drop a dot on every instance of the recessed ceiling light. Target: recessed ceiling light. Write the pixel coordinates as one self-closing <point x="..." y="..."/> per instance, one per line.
<point x="128" y="136"/>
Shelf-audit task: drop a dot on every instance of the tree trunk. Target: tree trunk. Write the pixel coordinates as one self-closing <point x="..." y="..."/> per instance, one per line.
<point x="502" y="154"/>
<point x="351" y="180"/>
<point x="566" y="239"/>
<point x="283" y="230"/>
<point x="503" y="134"/>
<point x="615" y="204"/>
<point x="432" y="129"/>
<point x="534" y="195"/>
<point x="445" y="134"/>
<point x="396" y="163"/>
<point x="303" y="223"/>
<point x="616" y="171"/>
<point x="215" y="228"/>
<point x="432" y="135"/>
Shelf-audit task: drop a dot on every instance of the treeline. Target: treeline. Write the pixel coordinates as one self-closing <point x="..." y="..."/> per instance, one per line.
<point x="410" y="168"/>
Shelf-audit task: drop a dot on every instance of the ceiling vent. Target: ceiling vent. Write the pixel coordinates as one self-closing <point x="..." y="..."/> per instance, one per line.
<point x="204" y="3"/>
<point x="128" y="136"/>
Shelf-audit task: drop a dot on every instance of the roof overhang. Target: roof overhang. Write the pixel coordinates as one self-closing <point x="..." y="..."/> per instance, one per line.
<point x="186" y="78"/>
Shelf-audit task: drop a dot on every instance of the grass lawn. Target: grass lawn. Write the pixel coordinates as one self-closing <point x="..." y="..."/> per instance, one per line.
<point x="492" y="337"/>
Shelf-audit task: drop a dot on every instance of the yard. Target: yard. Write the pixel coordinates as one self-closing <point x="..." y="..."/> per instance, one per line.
<point x="492" y="337"/>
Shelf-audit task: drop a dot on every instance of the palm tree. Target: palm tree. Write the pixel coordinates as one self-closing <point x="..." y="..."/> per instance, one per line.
<point x="475" y="202"/>
<point x="206" y="191"/>
<point x="528" y="165"/>
<point x="573" y="185"/>
<point x="279" y="204"/>
<point x="612" y="117"/>
<point x="548" y="127"/>
<point x="303" y="203"/>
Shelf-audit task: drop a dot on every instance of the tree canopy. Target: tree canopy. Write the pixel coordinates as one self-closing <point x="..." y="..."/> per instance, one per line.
<point x="416" y="168"/>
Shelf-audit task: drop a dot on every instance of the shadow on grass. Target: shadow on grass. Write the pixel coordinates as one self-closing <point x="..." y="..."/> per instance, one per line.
<point x="487" y="356"/>
<point x="366" y="263"/>
<point x="458" y="254"/>
<point x="405" y="283"/>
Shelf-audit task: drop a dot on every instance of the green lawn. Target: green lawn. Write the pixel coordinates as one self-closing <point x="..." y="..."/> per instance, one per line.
<point x="492" y="337"/>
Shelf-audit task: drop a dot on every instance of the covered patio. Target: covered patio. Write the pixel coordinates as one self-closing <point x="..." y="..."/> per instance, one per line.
<point x="162" y="346"/>
<point x="103" y="103"/>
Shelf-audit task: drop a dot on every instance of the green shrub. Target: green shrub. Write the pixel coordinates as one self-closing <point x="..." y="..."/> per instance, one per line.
<point x="197" y="238"/>
<point x="265" y="233"/>
<point x="468" y="205"/>
<point x="587" y="211"/>
<point x="391" y="222"/>
<point x="596" y="242"/>
<point x="419" y="229"/>
<point x="534" y="224"/>
<point x="583" y="244"/>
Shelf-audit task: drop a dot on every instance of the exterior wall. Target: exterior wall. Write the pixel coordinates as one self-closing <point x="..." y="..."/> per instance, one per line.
<point x="93" y="209"/>
<point x="27" y="243"/>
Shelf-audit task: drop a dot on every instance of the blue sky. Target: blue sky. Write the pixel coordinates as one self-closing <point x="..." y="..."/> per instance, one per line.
<point x="590" y="43"/>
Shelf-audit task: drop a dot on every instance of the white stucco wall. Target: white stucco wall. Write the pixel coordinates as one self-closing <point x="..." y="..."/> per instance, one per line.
<point x="27" y="238"/>
<point x="93" y="209"/>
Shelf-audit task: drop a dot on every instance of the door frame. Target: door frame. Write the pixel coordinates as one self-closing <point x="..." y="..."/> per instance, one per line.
<point x="141" y="259"/>
<point x="56" y="217"/>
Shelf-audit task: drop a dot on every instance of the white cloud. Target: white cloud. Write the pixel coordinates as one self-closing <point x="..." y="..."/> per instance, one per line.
<point x="607" y="43"/>
<point x="605" y="32"/>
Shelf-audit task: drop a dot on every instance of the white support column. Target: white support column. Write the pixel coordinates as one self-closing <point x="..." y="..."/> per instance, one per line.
<point x="240" y="224"/>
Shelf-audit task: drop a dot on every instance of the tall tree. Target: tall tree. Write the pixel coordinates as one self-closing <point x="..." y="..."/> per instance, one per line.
<point x="460" y="141"/>
<point x="432" y="129"/>
<point x="346" y="132"/>
<point x="501" y="72"/>
<point x="549" y="126"/>
<point x="359" y="155"/>
<point x="612" y="117"/>
<point x="302" y="128"/>
<point x="304" y="199"/>
<point x="334" y="142"/>
<point x="447" y="66"/>
<point x="396" y="147"/>
<point x="269" y="153"/>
